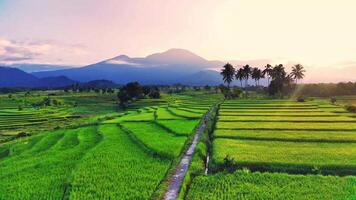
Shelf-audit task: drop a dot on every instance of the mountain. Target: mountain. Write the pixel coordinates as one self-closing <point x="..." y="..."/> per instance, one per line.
<point x="13" y="77"/>
<point x="169" y="67"/>
<point x="29" y="68"/>
<point x="207" y="77"/>
<point x="54" y="82"/>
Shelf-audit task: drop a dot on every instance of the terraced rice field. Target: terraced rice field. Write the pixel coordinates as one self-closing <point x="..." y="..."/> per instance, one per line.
<point x="126" y="156"/>
<point x="243" y="185"/>
<point x="287" y="141"/>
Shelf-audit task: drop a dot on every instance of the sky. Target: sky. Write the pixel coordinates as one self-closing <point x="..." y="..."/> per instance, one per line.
<point x="319" y="34"/>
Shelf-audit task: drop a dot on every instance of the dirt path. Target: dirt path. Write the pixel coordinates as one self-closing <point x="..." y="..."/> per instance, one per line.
<point x="182" y="168"/>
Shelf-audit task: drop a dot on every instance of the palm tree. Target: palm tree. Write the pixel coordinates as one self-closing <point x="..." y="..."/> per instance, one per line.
<point x="278" y="72"/>
<point x="267" y="72"/>
<point x="246" y="72"/>
<point x="239" y="75"/>
<point x="297" y="72"/>
<point x="256" y="74"/>
<point x="228" y="73"/>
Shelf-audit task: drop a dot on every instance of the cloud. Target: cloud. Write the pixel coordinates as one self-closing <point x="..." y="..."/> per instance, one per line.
<point x="31" y="51"/>
<point x="121" y="62"/>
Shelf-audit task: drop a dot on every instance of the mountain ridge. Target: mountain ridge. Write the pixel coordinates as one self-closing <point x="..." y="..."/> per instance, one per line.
<point x="168" y="67"/>
<point x="13" y="77"/>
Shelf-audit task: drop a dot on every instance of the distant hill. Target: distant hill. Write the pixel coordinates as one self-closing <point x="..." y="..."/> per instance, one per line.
<point x="54" y="82"/>
<point x="13" y="77"/>
<point x="29" y="68"/>
<point x="100" y="84"/>
<point x="207" y="77"/>
<point x="170" y="67"/>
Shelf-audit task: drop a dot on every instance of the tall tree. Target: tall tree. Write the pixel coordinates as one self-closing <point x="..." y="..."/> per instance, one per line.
<point x="280" y="81"/>
<point x="239" y="75"/>
<point x="246" y="72"/>
<point x="267" y="72"/>
<point x="297" y="72"/>
<point x="228" y="73"/>
<point x="256" y="74"/>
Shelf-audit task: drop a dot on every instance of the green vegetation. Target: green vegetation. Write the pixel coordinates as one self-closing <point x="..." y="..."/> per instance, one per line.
<point x="284" y="137"/>
<point x="117" y="169"/>
<point x="156" y="138"/>
<point x="43" y="169"/>
<point x="87" y="147"/>
<point x="83" y="145"/>
<point x="336" y="158"/>
<point x="245" y="185"/>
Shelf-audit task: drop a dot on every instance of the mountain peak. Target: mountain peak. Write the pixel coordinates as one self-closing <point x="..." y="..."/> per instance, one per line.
<point x="121" y="57"/>
<point x="176" y="55"/>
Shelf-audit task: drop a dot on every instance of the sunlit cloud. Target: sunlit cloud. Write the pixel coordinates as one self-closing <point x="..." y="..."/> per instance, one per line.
<point x="44" y="52"/>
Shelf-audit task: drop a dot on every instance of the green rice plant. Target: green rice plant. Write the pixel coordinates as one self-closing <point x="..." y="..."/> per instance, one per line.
<point x="184" y="114"/>
<point x="311" y="118"/>
<point x="155" y="138"/>
<point x="279" y="114"/>
<point x="183" y="127"/>
<point x="341" y="126"/>
<point x="134" y="116"/>
<point x="335" y="158"/>
<point x="163" y="113"/>
<point x="295" y="135"/>
<point x="117" y="169"/>
<point x="43" y="171"/>
<point x="245" y="185"/>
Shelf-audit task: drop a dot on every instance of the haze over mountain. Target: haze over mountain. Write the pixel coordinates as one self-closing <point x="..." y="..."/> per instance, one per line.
<point x="29" y="68"/>
<point x="13" y="77"/>
<point x="169" y="67"/>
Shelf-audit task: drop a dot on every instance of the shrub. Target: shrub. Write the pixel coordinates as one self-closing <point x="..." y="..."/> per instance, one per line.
<point x="229" y="163"/>
<point x="22" y="134"/>
<point x="332" y="100"/>
<point x="351" y="108"/>
<point x="300" y="99"/>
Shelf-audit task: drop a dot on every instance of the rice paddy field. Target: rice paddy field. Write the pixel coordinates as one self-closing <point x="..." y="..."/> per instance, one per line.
<point x="86" y="147"/>
<point x="103" y="153"/>
<point x="280" y="149"/>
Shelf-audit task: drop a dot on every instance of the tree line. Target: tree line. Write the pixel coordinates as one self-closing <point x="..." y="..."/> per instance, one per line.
<point x="279" y="81"/>
<point x="133" y="91"/>
<point x="327" y="89"/>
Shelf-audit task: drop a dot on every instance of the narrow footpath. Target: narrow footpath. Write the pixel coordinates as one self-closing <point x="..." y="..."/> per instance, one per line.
<point x="177" y="179"/>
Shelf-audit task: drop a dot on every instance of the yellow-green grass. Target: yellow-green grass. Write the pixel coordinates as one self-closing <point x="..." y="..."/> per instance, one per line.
<point x="228" y="104"/>
<point x="284" y="110"/>
<point x="42" y="170"/>
<point x="261" y="118"/>
<point x="295" y="135"/>
<point x="133" y="116"/>
<point x="155" y="138"/>
<point x="193" y="110"/>
<point x="244" y="185"/>
<point x="184" y="114"/>
<point x="163" y="113"/>
<point x="265" y="108"/>
<point x="276" y="113"/>
<point x="117" y="169"/>
<point x="301" y="157"/>
<point x="340" y="126"/>
<point x="184" y="127"/>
